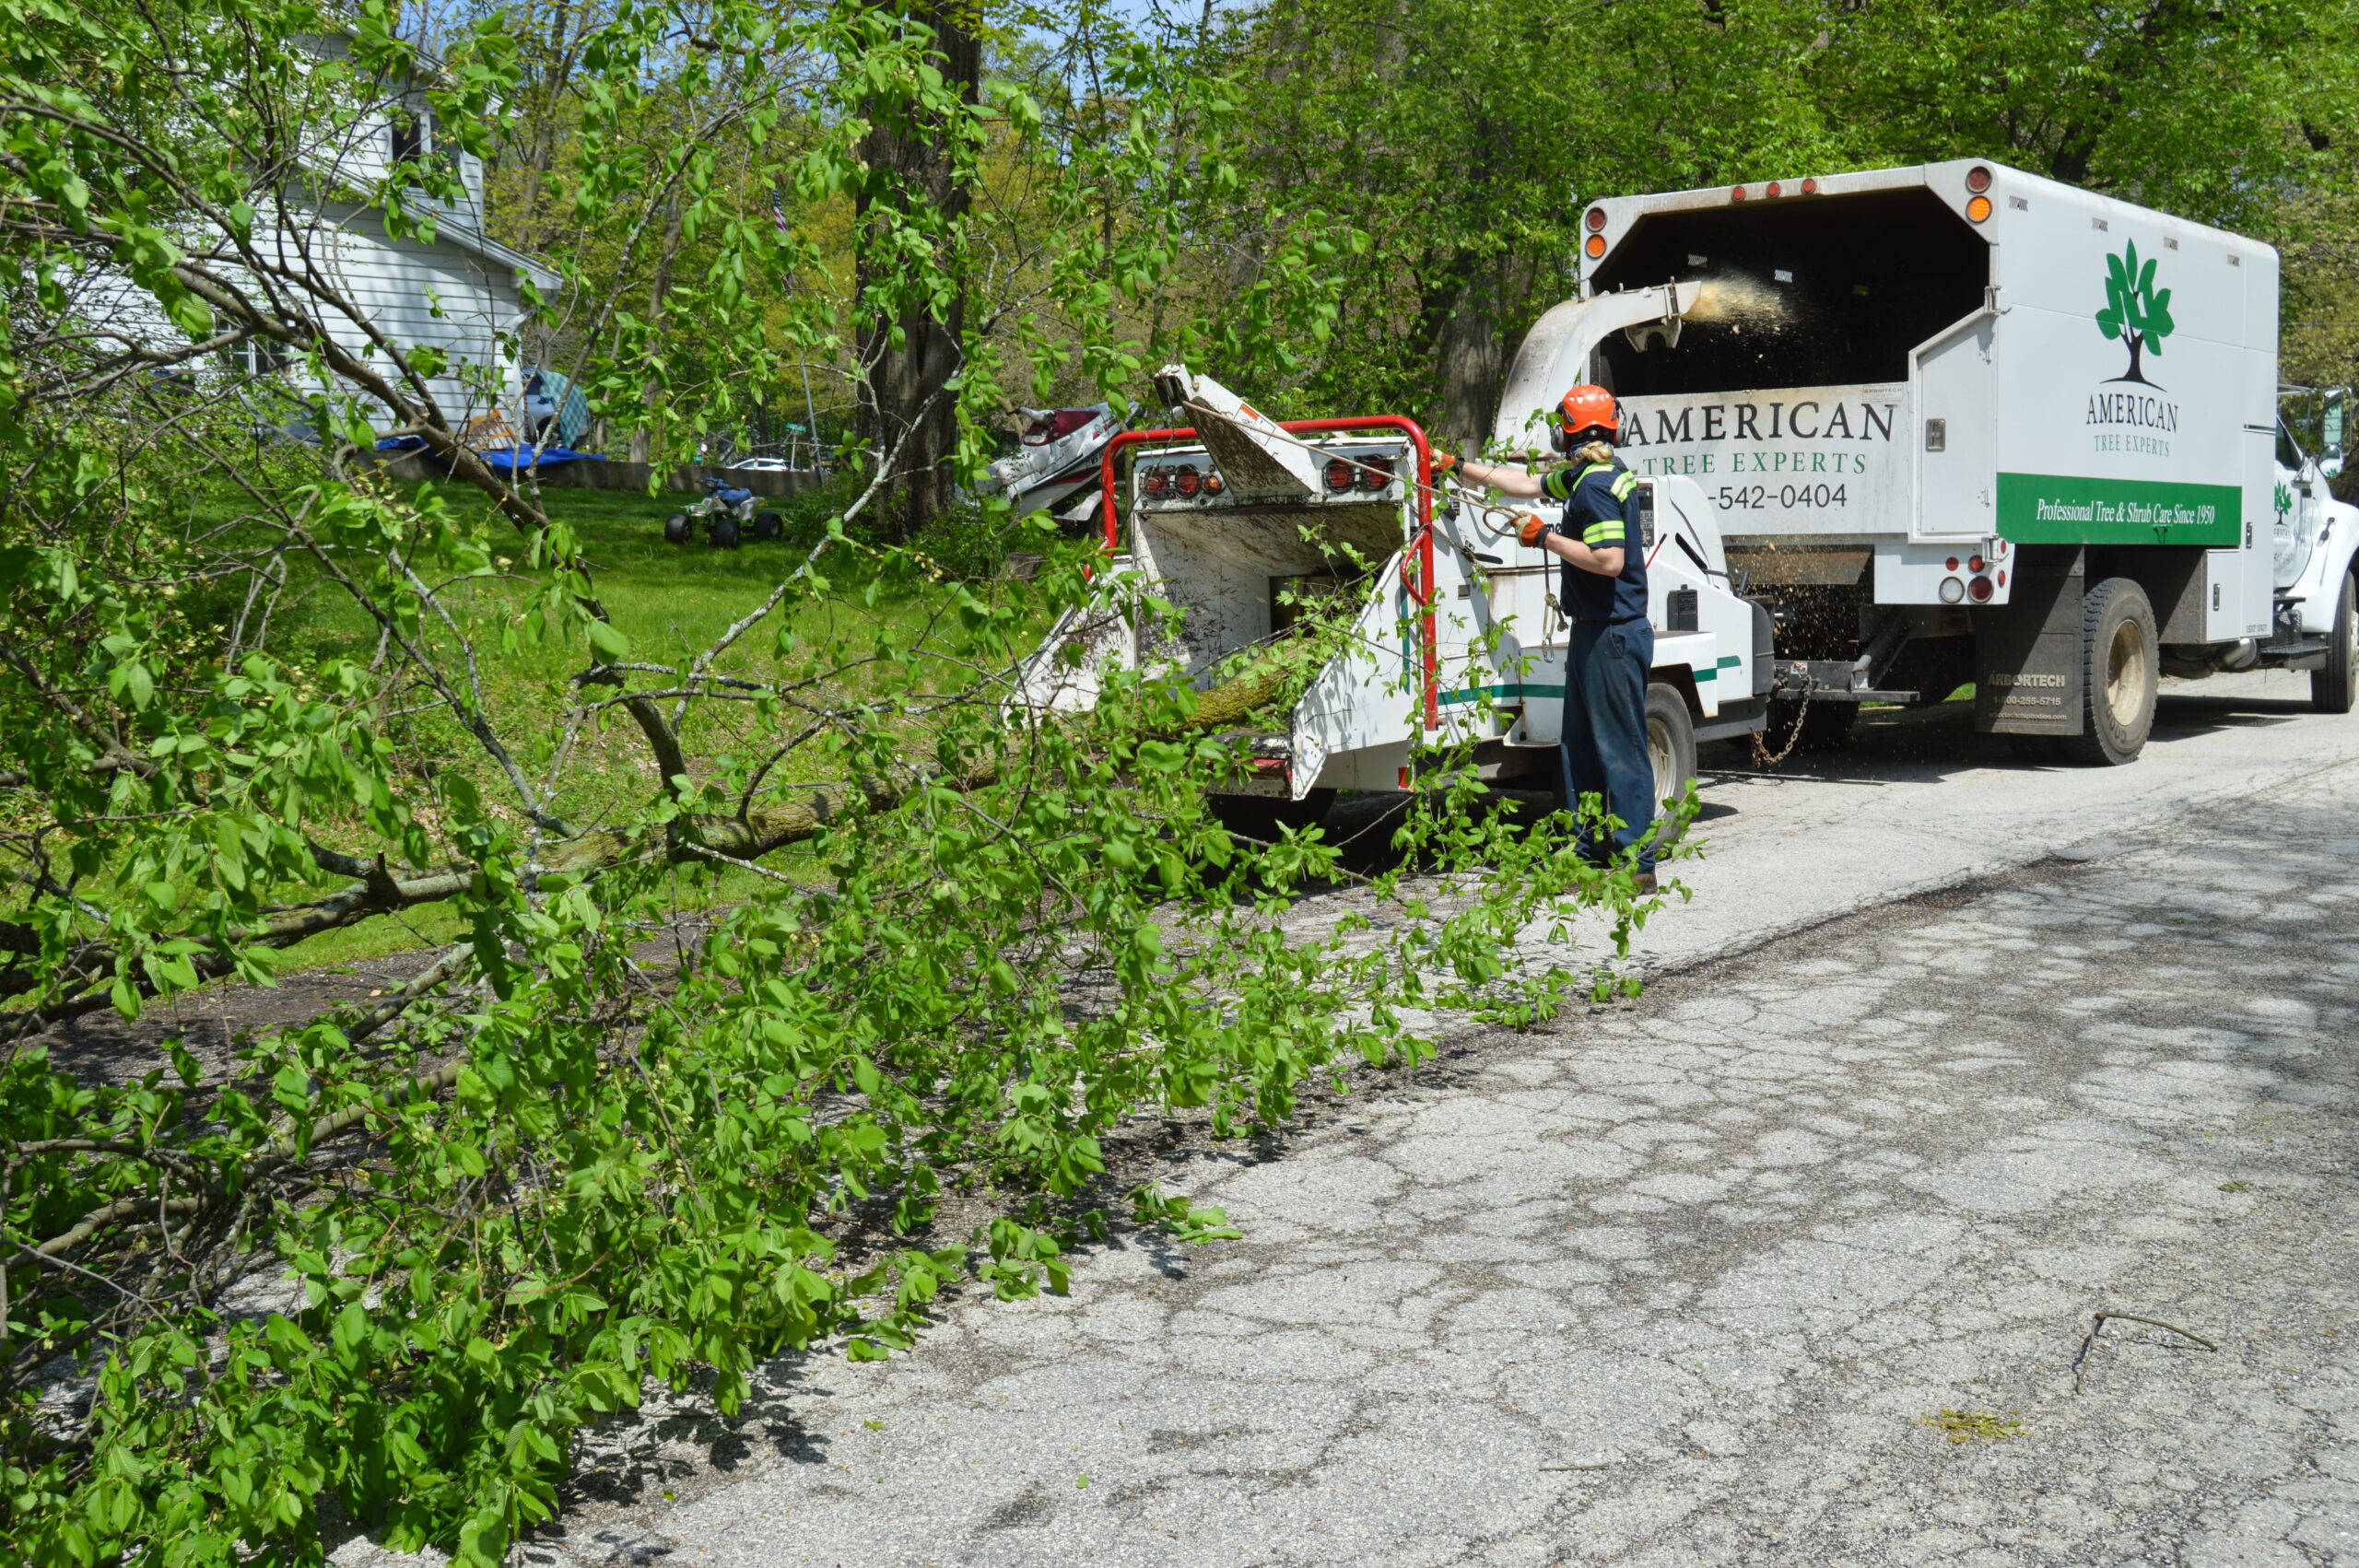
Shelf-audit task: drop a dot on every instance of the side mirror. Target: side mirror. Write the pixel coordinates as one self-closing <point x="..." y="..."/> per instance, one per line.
<point x="2331" y="430"/>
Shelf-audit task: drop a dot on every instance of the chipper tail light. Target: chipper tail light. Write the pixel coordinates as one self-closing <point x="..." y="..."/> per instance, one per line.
<point x="1977" y="179"/>
<point x="1157" y="484"/>
<point x="1979" y="591"/>
<point x="1213" y="483"/>
<point x="1186" y="480"/>
<point x="1342" y="474"/>
<point x="1375" y="472"/>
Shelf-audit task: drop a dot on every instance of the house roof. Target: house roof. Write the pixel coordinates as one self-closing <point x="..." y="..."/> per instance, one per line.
<point x="467" y="237"/>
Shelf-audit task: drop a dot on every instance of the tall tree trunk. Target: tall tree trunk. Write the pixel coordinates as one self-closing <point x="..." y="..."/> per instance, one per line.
<point x="1472" y="354"/>
<point x="642" y="440"/>
<point x="912" y="171"/>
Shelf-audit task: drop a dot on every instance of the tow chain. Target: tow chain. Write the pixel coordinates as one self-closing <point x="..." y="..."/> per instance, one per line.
<point x="1762" y="758"/>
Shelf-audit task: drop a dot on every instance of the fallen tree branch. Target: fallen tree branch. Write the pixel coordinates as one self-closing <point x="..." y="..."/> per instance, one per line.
<point x="747" y="835"/>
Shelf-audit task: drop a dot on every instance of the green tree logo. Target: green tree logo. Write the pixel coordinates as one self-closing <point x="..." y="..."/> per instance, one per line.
<point x="2134" y="309"/>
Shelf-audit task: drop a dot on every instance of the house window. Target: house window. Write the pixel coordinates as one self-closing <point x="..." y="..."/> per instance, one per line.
<point x="412" y="134"/>
<point x="259" y="357"/>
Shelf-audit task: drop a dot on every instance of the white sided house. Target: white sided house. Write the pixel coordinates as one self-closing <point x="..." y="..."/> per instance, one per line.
<point x="446" y="286"/>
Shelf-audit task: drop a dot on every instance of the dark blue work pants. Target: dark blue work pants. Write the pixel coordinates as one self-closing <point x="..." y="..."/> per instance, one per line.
<point x="1605" y="729"/>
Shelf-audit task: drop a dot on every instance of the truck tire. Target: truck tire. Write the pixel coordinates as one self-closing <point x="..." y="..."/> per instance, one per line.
<point x="1670" y="746"/>
<point x="1260" y="816"/>
<point x="1825" y="725"/>
<point x="676" y="529"/>
<point x="2120" y="665"/>
<point x="2331" y="682"/>
<point x="723" y="528"/>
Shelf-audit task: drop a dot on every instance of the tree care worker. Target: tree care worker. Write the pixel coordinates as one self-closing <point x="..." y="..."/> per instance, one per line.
<point x="1609" y="644"/>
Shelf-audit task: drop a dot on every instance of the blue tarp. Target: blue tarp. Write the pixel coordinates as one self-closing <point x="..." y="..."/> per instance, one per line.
<point x="525" y="458"/>
<point x="548" y="457"/>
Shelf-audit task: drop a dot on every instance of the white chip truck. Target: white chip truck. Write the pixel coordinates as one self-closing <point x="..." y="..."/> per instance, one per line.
<point x="1959" y="424"/>
<point x="1897" y="430"/>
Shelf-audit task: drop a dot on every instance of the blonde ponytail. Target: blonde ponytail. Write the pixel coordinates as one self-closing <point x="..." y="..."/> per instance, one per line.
<point x="1595" y="451"/>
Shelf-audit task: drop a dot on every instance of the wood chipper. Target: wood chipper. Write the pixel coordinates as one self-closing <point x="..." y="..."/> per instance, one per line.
<point x="1453" y="632"/>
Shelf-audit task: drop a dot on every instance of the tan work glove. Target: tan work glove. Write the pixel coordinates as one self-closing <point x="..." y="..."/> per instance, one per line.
<point x="1444" y="462"/>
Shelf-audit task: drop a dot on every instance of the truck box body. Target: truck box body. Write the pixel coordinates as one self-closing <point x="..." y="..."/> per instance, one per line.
<point x="1895" y="370"/>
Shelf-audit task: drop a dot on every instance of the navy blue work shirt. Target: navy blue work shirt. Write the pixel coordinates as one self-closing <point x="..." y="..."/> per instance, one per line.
<point x="1602" y="510"/>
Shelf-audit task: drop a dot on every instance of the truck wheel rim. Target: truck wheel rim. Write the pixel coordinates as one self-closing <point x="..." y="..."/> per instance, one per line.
<point x="2125" y="673"/>
<point x="1658" y="753"/>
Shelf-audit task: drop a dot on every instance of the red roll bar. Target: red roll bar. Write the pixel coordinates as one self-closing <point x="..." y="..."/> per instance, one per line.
<point x="1423" y="590"/>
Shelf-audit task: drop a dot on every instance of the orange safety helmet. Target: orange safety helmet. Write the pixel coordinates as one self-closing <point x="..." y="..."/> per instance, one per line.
<point x="1585" y="408"/>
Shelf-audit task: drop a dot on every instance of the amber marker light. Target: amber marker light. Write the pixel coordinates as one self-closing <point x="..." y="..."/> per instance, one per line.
<point x="1596" y="246"/>
<point x="1979" y="209"/>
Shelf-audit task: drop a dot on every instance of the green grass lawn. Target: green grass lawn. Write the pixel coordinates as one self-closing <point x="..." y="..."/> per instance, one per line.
<point x="671" y="602"/>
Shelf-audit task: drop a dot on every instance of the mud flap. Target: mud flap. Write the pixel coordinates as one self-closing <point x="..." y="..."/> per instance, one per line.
<point x="2027" y="653"/>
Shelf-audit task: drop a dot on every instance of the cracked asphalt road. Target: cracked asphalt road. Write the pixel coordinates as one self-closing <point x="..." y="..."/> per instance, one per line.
<point x="1682" y="1281"/>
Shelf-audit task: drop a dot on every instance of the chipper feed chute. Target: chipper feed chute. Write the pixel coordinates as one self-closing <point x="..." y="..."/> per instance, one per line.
<point x="1245" y="524"/>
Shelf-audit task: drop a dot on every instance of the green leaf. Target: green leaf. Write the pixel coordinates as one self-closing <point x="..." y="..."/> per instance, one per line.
<point x="609" y="642"/>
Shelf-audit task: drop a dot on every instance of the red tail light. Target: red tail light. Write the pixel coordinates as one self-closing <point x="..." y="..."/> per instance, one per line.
<point x="1977" y="179"/>
<point x="1979" y="589"/>
<point x="1187" y="480"/>
<point x="1342" y="473"/>
<point x="1775" y="190"/>
<point x="1376" y="473"/>
<point x="1596" y="219"/>
<point x="1157" y="483"/>
<point x="1975" y="563"/>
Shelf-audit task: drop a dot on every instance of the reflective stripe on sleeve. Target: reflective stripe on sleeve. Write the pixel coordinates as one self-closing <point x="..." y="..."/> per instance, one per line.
<point x="1557" y="485"/>
<point x="1626" y="483"/>
<point x="1607" y="533"/>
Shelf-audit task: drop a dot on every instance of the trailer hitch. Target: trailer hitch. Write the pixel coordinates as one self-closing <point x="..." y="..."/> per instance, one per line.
<point x="1829" y="679"/>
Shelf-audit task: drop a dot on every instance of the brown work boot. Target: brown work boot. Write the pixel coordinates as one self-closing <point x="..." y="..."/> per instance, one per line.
<point x="1646" y="882"/>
